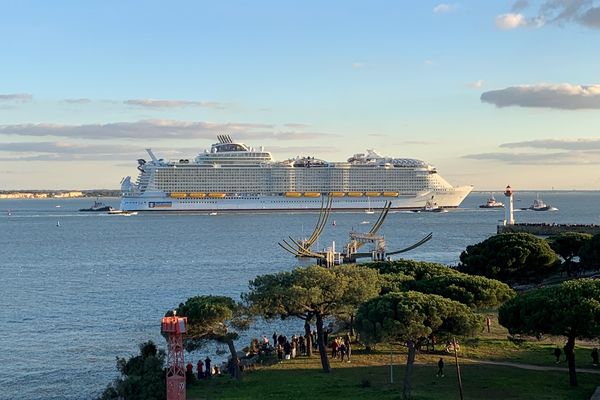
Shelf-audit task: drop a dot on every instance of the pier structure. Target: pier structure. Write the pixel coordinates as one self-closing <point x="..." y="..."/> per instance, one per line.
<point x="509" y="225"/>
<point x="330" y="257"/>
<point x="173" y="328"/>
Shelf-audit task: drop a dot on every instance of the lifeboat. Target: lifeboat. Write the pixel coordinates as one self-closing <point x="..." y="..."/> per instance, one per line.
<point x="337" y="194"/>
<point x="293" y="194"/>
<point x="178" y="195"/>
<point x="312" y="194"/>
<point x="390" y="194"/>
<point x="373" y="194"/>
<point x="197" y="195"/>
<point x="216" y="195"/>
<point x="355" y="194"/>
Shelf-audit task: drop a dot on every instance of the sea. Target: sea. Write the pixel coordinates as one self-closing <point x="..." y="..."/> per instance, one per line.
<point x="79" y="289"/>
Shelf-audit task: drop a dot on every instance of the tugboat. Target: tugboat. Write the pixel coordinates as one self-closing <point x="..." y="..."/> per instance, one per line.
<point x="492" y="203"/>
<point x="539" y="205"/>
<point x="97" y="207"/>
<point x="430" y="206"/>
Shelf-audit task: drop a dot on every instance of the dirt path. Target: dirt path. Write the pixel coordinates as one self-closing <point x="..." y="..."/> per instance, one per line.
<point x="529" y="366"/>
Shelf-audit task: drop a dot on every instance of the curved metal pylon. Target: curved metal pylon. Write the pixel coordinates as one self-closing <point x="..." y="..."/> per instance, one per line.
<point x="384" y="212"/>
<point x="414" y="246"/>
<point x="411" y="247"/>
<point x="303" y="249"/>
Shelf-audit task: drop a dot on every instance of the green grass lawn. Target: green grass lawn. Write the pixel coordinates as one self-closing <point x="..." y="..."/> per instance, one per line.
<point x="368" y="375"/>
<point x="302" y="378"/>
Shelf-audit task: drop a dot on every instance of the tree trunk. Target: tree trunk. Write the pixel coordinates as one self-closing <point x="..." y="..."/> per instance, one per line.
<point x="320" y="342"/>
<point x="308" y="337"/>
<point x="235" y="360"/>
<point x="570" y="354"/>
<point x="352" y="325"/>
<point x="410" y="360"/>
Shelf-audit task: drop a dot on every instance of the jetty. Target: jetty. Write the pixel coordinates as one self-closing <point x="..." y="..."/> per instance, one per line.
<point x="539" y="229"/>
<point x="543" y="229"/>
<point x="351" y="253"/>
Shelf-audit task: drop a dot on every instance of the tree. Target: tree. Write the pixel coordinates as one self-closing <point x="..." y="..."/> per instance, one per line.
<point x="142" y="376"/>
<point x="514" y="258"/>
<point x="571" y="309"/>
<point x="312" y="292"/>
<point x="590" y="252"/>
<point x="410" y="316"/>
<point x="474" y="291"/>
<point x="213" y="318"/>
<point x="568" y="245"/>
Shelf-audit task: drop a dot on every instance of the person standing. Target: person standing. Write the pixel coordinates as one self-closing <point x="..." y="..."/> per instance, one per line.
<point x="199" y="369"/>
<point x="348" y="348"/>
<point x="274" y="339"/>
<point x="557" y="353"/>
<point x="595" y="357"/>
<point x="440" y="373"/>
<point x="208" y="372"/>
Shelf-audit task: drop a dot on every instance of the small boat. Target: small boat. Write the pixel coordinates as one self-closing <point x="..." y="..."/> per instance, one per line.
<point x="364" y="222"/>
<point x="57" y="223"/>
<point x="369" y="210"/>
<point x="97" y="207"/>
<point x="212" y="213"/>
<point x="539" y="205"/>
<point x="492" y="203"/>
<point x="430" y="206"/>
<point x="122" y="212"/>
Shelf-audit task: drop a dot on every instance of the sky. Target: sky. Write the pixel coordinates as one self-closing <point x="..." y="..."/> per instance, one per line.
<point x="490" y="92"/>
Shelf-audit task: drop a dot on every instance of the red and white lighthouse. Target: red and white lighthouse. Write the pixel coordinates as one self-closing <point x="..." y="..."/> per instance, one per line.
<point x="509" y="218"/>
<point x="174" y="328"/>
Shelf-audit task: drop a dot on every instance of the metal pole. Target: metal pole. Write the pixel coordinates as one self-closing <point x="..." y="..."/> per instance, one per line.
<point x="391" y="366"/>
<point x="457" y="369"/>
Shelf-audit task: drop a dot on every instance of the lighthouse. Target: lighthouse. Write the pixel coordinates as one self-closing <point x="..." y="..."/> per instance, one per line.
<point x="509" y="218"/>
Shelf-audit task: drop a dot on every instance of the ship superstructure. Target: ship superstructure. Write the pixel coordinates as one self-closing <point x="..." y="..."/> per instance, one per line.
<point x="234" y="177"/>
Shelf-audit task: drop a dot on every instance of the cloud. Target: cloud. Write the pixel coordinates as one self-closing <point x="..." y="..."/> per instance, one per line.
<point x="159" y="129"/>
<point x="477" y="84"/>
<point x="560" y="12"/>
<point x="21" y="97"/>
<point x="443" y="8"/>
<point x="153" y="103"/>
<point x="358" y="65"/>
<point x="65" y="147"/>
<point x="562" y="144"/>
<point x="520" y="5"/>
<point x="296" y="125"/>
<point x="65" y="151"/>
<point x="77" y="101"/>
<point x="564" y="96"/>
<point x="557" y="158"/>
<point x="510" y="21"/>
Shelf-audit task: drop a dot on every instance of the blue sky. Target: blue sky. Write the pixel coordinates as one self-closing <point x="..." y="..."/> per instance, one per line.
<point x="491" y="92"/>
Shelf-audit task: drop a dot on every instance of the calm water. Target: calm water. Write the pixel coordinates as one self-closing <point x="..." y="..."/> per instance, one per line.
<point x="76" y="296"/>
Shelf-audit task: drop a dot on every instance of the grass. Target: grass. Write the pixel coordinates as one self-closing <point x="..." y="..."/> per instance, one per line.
<point x="302" y="378"/>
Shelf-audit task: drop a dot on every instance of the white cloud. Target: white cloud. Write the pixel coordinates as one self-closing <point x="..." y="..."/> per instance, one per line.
<point x="560" y="12"/>
<point x="563" y="96"/>
<point x="560" y="158"/>
<point x="510" y="21"/>
<point x="443" y="8"/>
<point x="77" y="101"/>
<point x="160" y="129"/>
<point x="154" y="103"/>
<point x="477" y="84"/>
<point x="563" y="144"/>
<point x="22" y="97"/>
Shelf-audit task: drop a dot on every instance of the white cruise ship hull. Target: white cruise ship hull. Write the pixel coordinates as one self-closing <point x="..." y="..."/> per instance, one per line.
<point x="255" y="203"/>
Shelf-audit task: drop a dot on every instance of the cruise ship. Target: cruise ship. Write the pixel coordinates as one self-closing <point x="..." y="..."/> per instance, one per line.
<point x="234" y="177"/>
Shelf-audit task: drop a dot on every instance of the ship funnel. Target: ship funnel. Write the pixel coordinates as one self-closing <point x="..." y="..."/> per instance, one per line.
<point x="151" y="154"/>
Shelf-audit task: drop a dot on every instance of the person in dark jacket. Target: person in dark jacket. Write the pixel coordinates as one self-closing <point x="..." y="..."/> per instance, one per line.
<point x="440" y="373"/>
<point x="557" y="353"/>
